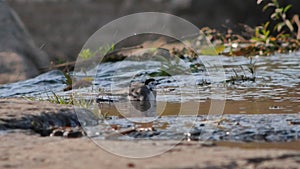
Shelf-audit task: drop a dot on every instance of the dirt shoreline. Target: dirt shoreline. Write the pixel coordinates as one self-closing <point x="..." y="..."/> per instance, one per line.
<point x="24" y="149"/>
<point x="31" y="151"/>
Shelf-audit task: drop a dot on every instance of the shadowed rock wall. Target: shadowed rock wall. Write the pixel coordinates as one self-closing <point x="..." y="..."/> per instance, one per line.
<point x="19" y="57"/>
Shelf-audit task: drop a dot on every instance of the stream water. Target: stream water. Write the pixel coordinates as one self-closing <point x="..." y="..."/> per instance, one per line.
<point x="265" y="109"/>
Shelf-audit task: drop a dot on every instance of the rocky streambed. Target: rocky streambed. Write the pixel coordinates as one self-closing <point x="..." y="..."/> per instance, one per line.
<point x="23" y="147"/>
<point x="49" y="119"/>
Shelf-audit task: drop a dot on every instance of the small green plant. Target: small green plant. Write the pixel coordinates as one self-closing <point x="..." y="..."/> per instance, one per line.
<point x="244" y="77"/>
<point x="59" y="99"/>
<point x="252" y="67"/>
<point x="262" y="33"/>
<point x="31" y="98"/>
<point x="68" y="79"/>
<point x="103" y="116"/>
<point x="103" y="50"/>
<point x="279" y="15"/>
<point x="278" y="34"/>
<point x="86" y="54"/>
<point x="84" y="103"/>
<point x="89" y="55"/>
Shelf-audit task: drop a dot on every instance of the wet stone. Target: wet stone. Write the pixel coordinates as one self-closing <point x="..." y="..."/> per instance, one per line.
<point x="74" y="134"/>
<point x="143" y="134"/>
<point x="251" y="128"/>
<point x="294" y="122"/>
<point x="57" y="133"/>
<point x="68" y="132"/>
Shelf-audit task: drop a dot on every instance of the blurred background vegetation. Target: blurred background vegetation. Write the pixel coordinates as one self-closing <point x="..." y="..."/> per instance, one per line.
<point x="61" y="27"/>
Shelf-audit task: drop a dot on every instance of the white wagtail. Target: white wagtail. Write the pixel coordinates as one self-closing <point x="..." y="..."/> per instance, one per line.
<point x="142" y="102"/>
<point x="143" y="96"/>
<point x="143" y="92"/>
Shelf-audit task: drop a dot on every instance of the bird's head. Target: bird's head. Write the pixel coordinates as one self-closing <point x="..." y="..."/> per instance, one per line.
<point x="151" y="83"/>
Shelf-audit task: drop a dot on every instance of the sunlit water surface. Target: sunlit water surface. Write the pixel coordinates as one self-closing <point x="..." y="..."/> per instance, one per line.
<point x="276" y="90"/>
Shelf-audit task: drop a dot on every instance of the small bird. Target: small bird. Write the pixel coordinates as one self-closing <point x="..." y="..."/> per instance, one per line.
<point x="143" y="92"/>
<point x="143" y="96"/>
